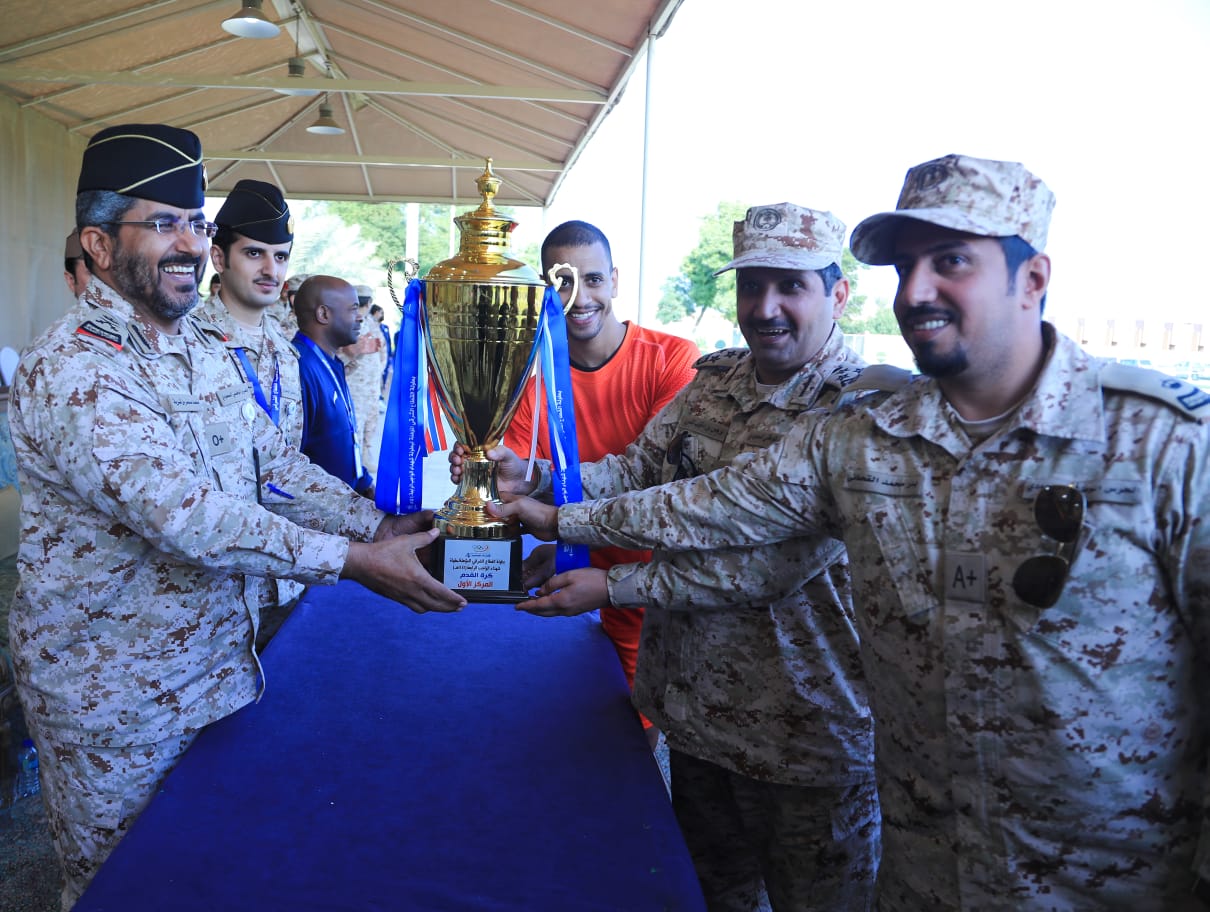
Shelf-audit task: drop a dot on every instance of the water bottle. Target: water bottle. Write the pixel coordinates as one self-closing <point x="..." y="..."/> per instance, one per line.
<point x="27" y="771"/>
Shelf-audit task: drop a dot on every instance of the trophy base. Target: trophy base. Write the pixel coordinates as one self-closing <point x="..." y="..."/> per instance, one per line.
<point x="479" y="570"/>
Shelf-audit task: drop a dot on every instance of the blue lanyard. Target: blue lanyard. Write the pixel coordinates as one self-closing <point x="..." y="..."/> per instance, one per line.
<point x="345" y="399"/>
<point x="272" y="407"/>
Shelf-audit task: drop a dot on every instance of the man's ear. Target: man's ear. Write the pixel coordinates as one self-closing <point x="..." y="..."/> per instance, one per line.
<point x="1034" y="278"/>
<point x="218" y="258"/>
<point x="840" y="297"/>
<point x="99" y="245"/>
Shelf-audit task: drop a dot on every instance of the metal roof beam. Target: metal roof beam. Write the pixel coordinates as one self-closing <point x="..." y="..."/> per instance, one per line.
<point x="368" y="86"/>
<point x="440" y="67"/>
<point x="547" y="19"/>
<point x="91" y="30"/>
<point x="387" y="161"/>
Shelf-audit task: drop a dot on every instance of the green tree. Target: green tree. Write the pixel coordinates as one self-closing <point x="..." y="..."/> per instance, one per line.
<point x="326" y="244"/>
<point x="696" y="289"/>
<point x="382" y="224"/>
<point x="861" y="319"/>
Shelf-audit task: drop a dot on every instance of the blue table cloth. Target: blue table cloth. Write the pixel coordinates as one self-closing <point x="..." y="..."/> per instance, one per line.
<point x="486" y="760"/>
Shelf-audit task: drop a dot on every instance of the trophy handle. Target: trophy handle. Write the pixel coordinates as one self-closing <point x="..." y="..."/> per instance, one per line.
<point x="551" y="274"/>
<point x="410" y="269"/>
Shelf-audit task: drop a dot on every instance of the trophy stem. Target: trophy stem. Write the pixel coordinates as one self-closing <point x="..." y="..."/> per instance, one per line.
<point x="464" y="515"/>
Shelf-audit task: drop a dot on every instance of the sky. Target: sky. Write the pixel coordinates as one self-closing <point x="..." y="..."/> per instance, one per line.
<point x="828" y="105"/>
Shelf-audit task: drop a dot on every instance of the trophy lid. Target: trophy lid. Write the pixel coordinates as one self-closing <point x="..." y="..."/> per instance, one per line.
<point x="483" y="253"/>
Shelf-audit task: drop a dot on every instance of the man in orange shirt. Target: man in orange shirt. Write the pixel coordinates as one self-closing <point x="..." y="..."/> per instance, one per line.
<point x="621" y="376"/>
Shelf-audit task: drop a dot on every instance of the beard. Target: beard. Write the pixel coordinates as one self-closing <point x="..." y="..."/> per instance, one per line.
<point x="941" y="364"/>
<point x="139" y="281"/>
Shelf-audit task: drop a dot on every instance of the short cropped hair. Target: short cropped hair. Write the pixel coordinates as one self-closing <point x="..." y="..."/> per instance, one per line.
<point x="1016" y="251"/>
<point x="101" y="209"/>
<point x="577" y="234"/>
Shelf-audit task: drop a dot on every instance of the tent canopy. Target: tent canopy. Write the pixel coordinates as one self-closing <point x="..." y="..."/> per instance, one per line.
<point x="424" y="89"/>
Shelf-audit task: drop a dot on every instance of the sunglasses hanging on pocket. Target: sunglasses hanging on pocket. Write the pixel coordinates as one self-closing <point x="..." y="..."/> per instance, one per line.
<point x="1059" y="511"/>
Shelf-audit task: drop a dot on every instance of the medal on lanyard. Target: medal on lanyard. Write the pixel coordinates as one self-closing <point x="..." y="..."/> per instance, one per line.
<point x="271" y="406"/>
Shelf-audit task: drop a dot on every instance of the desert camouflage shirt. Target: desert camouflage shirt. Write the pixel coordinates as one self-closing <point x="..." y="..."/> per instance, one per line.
<point x="769" y="687"/>
<point x="271" y="354"/>
<point x="272" y="357"/>
<point x="133" y="618"/>
<point x="1027" y="758"/>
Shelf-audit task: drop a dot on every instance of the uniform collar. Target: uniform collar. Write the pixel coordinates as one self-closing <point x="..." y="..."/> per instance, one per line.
<point x="1065" y="401"/>
<point x="799" y="392"/>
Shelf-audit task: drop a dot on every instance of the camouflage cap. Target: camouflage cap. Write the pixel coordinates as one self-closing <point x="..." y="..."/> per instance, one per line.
<point x="786" y="236"/>
<point x="974" y="195"/>
<point x="364" y="292"/>
<point x="294" y="281"/>
<point x="71" y="246"/>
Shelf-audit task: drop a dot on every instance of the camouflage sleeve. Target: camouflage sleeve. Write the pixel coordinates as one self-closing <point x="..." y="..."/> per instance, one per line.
<point x="115" y="447"/>
<point x="640" y="465"/>
<point x="295" y="488"/>
<point x="762" y="497"/>
<point x="723" y="578"/>
<point x="1184" y="511"/>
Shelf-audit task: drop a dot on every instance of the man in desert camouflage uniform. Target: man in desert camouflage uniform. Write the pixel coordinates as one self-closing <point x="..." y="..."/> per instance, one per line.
<point x="251" y="253"/>
<point x="762" y="701"/>
<point x="142" y="457"/>
<point x="283" y="312"/>
<point x="364" y="361"/>
<point x="1031" y="571"/>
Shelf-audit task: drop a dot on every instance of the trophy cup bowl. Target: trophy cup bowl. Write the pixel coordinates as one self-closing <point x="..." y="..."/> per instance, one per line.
<point x="480" y="322"/>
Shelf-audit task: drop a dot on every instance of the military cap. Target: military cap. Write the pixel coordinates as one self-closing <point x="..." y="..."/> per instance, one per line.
<point x="973" y="195"/>
<point x="147" y="161"/>
<point x="364" y="293"/>
<point x="786" y="236"/>
<point x="71" y="247"/>
<point x="258" y="211"/>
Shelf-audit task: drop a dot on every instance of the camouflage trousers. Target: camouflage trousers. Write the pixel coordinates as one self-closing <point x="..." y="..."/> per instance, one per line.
<point x="94" y="794"/>
<point x="803" y="848"/>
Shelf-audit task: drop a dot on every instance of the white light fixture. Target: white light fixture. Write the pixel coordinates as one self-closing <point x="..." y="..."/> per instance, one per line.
<point x="324" y="124"/>
<point x="297" y="68"/>
<point x="250" y="22"/>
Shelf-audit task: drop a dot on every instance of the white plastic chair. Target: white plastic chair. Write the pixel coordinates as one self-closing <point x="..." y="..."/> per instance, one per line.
<point x="8" y="364"/>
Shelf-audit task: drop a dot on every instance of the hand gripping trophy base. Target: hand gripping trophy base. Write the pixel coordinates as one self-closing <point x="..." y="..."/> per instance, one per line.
<point x="477" y="539"/>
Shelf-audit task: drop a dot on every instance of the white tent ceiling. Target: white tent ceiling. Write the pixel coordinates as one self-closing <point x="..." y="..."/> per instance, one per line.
<point x="425" y="89"/>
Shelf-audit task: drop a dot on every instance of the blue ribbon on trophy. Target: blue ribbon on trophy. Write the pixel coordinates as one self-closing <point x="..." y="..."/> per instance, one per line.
<point x="560" y="419"/>
<point x="400" y="483"/>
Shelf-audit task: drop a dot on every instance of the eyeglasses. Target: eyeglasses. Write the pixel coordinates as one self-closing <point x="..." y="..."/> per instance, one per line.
<point x="1059" y="512"/>
<point x="676" y="455"/>
<point x="199" y="227"/>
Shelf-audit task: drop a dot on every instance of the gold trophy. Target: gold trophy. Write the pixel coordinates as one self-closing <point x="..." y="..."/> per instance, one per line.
<point x="480" y="322"/>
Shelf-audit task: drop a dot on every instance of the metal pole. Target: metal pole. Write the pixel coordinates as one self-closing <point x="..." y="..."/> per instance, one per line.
<point x="646" y="180"/>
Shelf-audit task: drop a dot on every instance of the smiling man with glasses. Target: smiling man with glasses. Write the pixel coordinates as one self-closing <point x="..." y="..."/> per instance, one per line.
<point x="156" y="491"/>
<point x="1030" y="551"/>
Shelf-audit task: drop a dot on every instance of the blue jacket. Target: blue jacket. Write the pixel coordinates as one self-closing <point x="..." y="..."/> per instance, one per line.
<point x="329" y="422"/>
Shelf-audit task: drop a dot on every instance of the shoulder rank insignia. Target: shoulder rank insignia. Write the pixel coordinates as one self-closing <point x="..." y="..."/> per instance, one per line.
<point x="1178" y="394"/>
<point x="884" y="377"/>
<point x="104" y="326"/>
<point x="844" y="374"/>
<point x="723" y="359"/>
<point x="874" y="378"/>
<point x="204" y="328"/>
